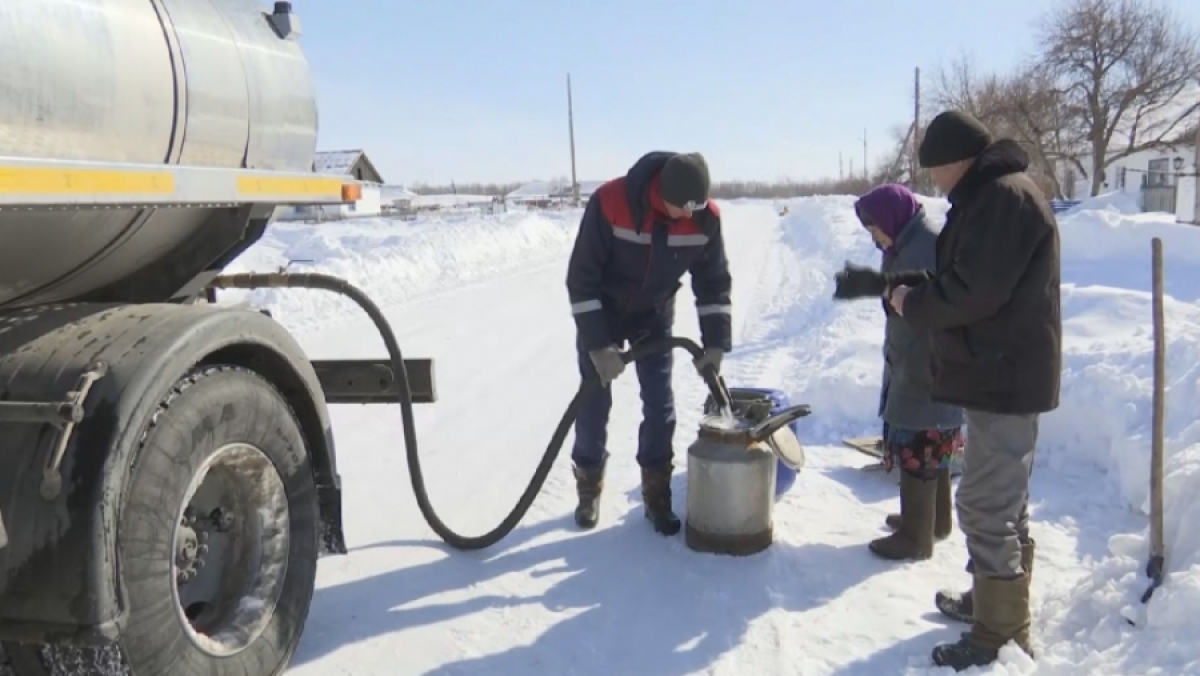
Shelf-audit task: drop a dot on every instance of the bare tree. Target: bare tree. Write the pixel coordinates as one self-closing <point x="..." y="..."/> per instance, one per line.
<point x="958" y="85"/>
<point x="1121" y="67"/>
<point x="1024" y="106"/>
<point x="1033" y="112"/>
<point x="895" y="168"/>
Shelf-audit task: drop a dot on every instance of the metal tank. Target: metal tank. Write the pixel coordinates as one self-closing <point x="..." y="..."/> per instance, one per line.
<point x="731" y="480"/>
<point x="128" y="128"/>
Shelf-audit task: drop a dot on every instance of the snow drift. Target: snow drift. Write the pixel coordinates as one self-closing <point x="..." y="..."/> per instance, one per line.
<point x="397" y="261"/>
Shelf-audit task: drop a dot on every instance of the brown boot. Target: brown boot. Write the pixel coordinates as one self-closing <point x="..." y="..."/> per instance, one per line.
<point x="943" y="515"/>
<point x="656" y="497"/>
<point x="1001" y="615"/>
<point x="961" y="606"/>
<point x="914" y="539"/>
<point x="589" y="483"/>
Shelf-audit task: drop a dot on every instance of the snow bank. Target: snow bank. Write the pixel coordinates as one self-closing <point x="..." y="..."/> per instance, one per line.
<point x="395" y="261"/>
<point x="1122" y="202"/>
<point x="1100" y="627"/>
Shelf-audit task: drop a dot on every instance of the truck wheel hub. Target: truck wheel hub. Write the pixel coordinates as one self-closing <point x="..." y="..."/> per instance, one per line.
<point x="231" y="549"/>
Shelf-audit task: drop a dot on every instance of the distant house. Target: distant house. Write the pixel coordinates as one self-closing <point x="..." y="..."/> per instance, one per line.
<point x="1164" y="178"/>
<point x="550" y="194"/>
<point x="586" y="190"/>
<point x="397" y="199"/>
<point x="356" y="165"/>
<point x="534" y="195"/>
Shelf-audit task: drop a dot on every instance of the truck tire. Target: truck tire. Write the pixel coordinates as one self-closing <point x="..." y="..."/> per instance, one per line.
<point x="240" y="607"/>
<point x="217" y="540"/>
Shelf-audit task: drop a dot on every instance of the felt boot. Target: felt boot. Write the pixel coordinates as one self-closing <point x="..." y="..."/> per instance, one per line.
<point x="1001" y="615"/>
<point x="959" y="606"/>
<point x="914" y="539"/>
<point x="589" y="483"/>
<point x="656" y="498"/>
<point x="943" y="515"/>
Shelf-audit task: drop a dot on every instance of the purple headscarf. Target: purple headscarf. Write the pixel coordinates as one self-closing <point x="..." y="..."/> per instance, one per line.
<point x="888" y="207"/>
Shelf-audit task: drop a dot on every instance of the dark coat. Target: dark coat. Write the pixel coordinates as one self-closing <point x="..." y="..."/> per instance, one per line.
<point x="907" y="398"/>
<point x="993" y="301"/>
<point x="629" y="257"/>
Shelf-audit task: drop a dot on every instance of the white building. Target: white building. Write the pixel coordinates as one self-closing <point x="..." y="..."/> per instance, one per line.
<point x="545" y="194"/>
<point x="536" y="194"/>
<point x="397" y="199"/>
<point x="1163" y="179"/>
<point x="586" y="190"/>
<point x="353" y="163"/>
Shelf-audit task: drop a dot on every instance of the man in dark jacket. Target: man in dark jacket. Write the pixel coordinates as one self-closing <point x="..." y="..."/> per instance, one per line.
<point x="639" y="234"/>
<point x="993" y="307"/>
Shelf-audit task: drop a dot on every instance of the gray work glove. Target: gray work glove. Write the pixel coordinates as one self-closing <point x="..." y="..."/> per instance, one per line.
<point x="712" y="357"/>
<point x="608" y="363"/>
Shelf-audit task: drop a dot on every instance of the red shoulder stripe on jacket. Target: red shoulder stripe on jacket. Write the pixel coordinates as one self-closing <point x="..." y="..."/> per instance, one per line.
<point x="613" y="204"/>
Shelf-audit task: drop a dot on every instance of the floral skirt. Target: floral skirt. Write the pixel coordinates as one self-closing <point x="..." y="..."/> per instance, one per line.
<point x="922" y="453"/>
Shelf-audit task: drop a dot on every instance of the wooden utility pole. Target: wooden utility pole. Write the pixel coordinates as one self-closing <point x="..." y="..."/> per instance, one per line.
<point x="1155" y="567"/>
<point x="841" y="167"/>
<point x="916" y="135"/>
<point x="866" y="165"/>
<point x="571" y="131"/>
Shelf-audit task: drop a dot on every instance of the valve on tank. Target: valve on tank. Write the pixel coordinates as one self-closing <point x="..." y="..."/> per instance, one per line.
<point x="285" y="22"/>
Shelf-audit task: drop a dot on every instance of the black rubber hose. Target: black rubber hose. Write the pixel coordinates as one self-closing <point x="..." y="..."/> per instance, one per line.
<point x="308" y="280"/>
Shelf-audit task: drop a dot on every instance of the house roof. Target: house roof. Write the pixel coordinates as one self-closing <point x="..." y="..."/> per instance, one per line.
<point x="532" y="190"/>
<point x="396" y="192"/>
<point x="1171" y="118"/>
<point x="585" y="188"/>
<point x="343" y="162"/>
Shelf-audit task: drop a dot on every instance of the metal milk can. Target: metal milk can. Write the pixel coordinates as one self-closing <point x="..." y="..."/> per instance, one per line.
<point x="731" y="480"/>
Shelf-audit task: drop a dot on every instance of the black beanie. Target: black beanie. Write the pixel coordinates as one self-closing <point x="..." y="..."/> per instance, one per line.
<point x="684" y="179"/>
<point x="952" y="136"/>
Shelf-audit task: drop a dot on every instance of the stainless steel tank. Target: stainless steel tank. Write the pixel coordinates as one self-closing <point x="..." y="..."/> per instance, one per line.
<point x="731" y="481"/>
<point x="208" y="83"/>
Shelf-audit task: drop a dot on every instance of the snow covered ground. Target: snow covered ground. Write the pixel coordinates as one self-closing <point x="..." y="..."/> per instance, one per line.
<point x="484" y="297"/>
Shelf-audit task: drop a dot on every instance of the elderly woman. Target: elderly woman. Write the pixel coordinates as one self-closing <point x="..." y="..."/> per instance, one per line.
<point x="921" y="436"/>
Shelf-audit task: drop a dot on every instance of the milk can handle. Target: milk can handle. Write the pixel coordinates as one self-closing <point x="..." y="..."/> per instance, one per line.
<point x="776" y="422"/>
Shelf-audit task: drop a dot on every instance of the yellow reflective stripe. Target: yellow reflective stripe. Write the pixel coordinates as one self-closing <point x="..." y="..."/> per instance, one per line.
<point x="296" y="187"/>
<point x="41" y="181"/>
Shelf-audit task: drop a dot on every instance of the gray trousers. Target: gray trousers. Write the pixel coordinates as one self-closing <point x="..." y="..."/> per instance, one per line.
<point x="993" y="494"/>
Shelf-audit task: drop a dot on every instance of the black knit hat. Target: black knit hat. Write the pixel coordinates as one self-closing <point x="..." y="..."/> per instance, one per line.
<point x="684" y="179"/>
<point x="952" y="136"/>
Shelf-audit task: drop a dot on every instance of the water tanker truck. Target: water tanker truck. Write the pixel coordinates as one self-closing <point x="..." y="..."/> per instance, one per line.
<point x="167" y="469"/>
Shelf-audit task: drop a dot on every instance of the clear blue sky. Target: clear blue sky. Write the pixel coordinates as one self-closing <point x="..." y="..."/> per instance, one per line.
<point x="474" y="90"/>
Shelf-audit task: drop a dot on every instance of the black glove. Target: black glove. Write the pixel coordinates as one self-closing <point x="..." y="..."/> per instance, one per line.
<point x="857" y="281"/>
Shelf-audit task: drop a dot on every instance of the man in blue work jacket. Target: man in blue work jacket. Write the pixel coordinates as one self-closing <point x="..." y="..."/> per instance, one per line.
<point x="639" y="234"/>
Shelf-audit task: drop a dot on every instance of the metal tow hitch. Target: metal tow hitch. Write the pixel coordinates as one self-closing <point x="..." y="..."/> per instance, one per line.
<point x="51" y="476"/>
<point x="64" y="415"/>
